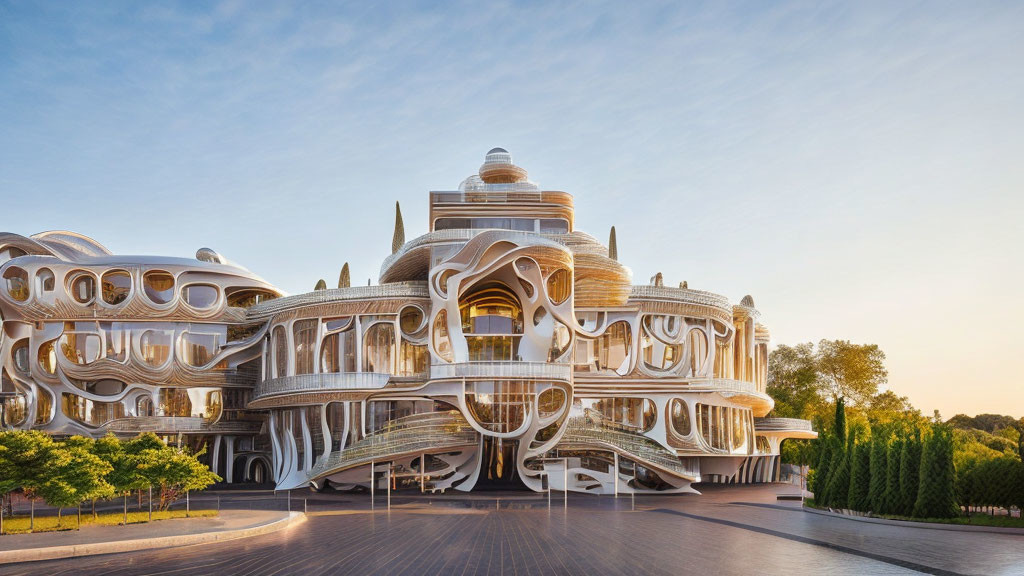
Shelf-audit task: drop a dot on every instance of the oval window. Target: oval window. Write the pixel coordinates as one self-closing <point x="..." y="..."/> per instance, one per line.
<point x="156" y="346"/>
<point x="20" y="354"/>
<point x="559" y="286"/>
<point x="201" y="296"/>
<point x="680" y="417"/>
<point x="159" y="286"/>
<point x="48" y="357"/>
<point x="117" y="285"/>
<point x="17" y="283"/>
<point x="45" y="280"/>
<point x="411" y="320"/>
<point x="550" y="401"/>
<point x="82" y="288"/>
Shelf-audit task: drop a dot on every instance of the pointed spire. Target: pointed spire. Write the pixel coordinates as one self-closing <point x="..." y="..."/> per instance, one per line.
<point x="320" y="285"/>
<point x="399" y="238"/>
<point x="613" y="246"/>
<point x="345" y="279"/>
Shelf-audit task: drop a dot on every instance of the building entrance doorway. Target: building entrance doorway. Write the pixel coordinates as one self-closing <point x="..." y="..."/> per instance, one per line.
<point x="498" y="467"/>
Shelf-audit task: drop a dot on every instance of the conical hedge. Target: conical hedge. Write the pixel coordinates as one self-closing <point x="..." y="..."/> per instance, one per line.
<point x="910" y="466"/>
<point x="613" y="245"/>
<point x="936" y="497"/>
<point x="860" y="477"/>
<point x="879" y="471"/>
<point x="839" y="484"/>
<point x="820" y="483"/>
<point x="892" y="497"/>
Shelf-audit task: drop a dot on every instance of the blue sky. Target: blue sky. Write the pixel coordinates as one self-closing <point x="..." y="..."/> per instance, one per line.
<point x="856" y="167"/>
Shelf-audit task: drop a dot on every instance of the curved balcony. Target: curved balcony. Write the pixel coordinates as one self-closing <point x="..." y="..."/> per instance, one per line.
<point x="785" y="427"/>
<point x="313" y="388"/>
<point x="502" y="371"/>
<point x="588" y="431"/>
<point x="175" y="424"/>
<point x="394" y="290"/>
<point x="413" y="258"/>
<point x="416" y="434"/>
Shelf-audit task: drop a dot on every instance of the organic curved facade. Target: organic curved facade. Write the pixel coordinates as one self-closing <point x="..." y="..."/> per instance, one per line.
<point x="502" y="347"/>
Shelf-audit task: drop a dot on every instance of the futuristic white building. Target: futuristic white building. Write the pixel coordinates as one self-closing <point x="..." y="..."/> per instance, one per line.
<point x="503" y="347"/>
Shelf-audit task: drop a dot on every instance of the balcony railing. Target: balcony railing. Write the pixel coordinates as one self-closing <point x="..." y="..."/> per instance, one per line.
<point x="591" y="429"/>
<point x="782" y="425"/>
<point x="647" y="292"/>
<point x="172" y="424"/>
<point x="502" y="370"/>
<point x="327" y="382"/>
<point x="410" y="434"/>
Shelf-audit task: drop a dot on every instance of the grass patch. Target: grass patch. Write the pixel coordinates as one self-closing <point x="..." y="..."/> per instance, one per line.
<point x="977" y="519"/>
<point x="20" y="524"/>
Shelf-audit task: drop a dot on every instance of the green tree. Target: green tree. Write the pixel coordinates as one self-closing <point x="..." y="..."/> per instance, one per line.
<point x="936" y="497"/>
<point x="860" y="477"/>
<point x="793" y="381"/>
<point x="878" y="465"/>
<point x="891" y="499"/>
<point x="839" y="483"/>
<point x="840" y="421"/>
<point x="170" y="470"/>
<point x="819" y="477"/>
<point x="74" y="475"/>
<point x="853" y="371"/>
<point x="25" y="459"/>
<point x="910" y="465"/>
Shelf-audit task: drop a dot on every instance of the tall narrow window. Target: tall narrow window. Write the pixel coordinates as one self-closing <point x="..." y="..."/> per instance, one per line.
<point x="304" y="333"/>
<point x="280" y="352"/>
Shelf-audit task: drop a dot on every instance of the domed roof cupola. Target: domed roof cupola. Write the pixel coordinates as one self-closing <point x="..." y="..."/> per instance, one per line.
<point x="499" y="169"/>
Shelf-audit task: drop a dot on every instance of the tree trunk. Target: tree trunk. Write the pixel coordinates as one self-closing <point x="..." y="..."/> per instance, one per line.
<point x="59" y="510"/>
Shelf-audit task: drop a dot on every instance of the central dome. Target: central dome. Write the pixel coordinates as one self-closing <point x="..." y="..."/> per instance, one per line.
<point x="499" y="169"/>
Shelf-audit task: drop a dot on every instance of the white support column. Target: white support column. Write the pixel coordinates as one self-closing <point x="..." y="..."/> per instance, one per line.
<point x="307" y="441"/>
<point x="215" y="455"/>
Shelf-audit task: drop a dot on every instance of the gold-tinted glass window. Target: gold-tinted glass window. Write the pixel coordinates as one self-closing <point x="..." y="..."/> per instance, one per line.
<point x="559" y="286"/>
<point x="680" y="417"/>
<point x="117" y="285"/>
<point x="159" y="286"/>
<point x="499" y="406"/>
<point x="17" y="283"/>
<point x="80" y="347"/>
<point x="48" y="357"/>
<point x="304" y="334"/>
<point x="44" y="405"/>
<point x="413" y="360"/>
<point x="442" y="341"/>
<point x="156" y="346"/>
<point x="175" y="402"/>
<point x="379" y="348"/>
<point x="411" y="320"/>
<point x="199" y="348"/>
<point x="550" y="401"/>
<point x="248" y="298"/>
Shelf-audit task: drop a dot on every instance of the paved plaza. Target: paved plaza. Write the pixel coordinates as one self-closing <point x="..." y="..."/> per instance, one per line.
<point x="728" y="530"/>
